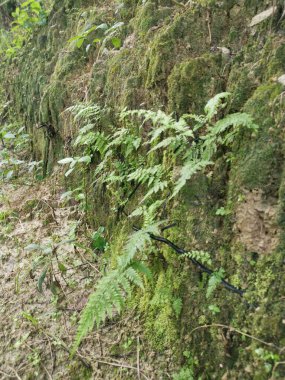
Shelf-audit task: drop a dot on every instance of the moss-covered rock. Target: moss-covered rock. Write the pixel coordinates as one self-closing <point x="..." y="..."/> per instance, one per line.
<point x="192" y="82"/>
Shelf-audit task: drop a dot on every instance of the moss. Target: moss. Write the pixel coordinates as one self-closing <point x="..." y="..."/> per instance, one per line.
<point x="258" y="160"/>
<point x="277" y="63"/>
<point x="162" y="328"/>
<point x="241" y="84"/>
<point x="191" y="83"/>
<point x="150" y="15"/>
<point x="122" y="81"/>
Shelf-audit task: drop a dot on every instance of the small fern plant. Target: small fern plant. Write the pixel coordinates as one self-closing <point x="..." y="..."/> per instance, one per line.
<point x="114" y="287"/>
<point x="145" y="152"/>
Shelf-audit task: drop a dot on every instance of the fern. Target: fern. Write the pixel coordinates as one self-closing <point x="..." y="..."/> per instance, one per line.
<point x="129" y="155"/>
<point x="215" y="104"/>
<point x="188" y="170"/>
<point x="112" y="289"/>
<point x="137" y="243"/>
<point x="201" y="256"/>
<point x="108" y="298"/>
<point x="219" y="134"/>
<point x="85" y="112"/>
<point x="214" y="281"/>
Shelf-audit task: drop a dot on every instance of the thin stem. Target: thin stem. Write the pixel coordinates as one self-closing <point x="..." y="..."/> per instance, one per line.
<point x="217" y="325"/>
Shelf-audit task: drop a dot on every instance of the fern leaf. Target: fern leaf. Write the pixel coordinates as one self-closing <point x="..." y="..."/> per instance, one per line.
<point x="215" y="104"/>
<point x="136" y="243"/>
<point x="142" y="268"/>
<point x="214" y="282"/>
<point x="132" y="275"/>
<point x="187" y="171"/>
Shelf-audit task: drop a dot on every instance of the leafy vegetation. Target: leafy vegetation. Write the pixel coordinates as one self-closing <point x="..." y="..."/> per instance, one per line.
<point x="161" y="210"/>
<point x="101" y="35"/>
<point x="126" y="161"/>
<point x="27" y="16"/>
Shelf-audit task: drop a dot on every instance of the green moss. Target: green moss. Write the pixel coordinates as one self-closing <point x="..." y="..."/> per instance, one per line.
<point x="277" y="63"/>
<point x="161" y="312"/>
<point x="258" y="160"/>
<point x="191" y="83"/>
<point x="241" y="84"/>
<point x="150" y="15"/>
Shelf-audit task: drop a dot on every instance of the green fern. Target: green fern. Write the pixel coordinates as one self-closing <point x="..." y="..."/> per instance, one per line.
<point x="85" y="112"/>
<point x="202" y="256"/>
<point x="113" y="289"/>
<point x="215" y="104"/>
<point x="129" y="156"/>
<point x="108" y="298"/>
<point x="189" y="169"/>
<point x="214" y="281"/>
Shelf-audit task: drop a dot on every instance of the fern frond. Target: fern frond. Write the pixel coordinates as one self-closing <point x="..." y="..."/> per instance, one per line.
<point x="109" y="297"/>
<point x="132" y="275"/>
<point x="99" y="306"/>
<point x="142" y="175"/>
<point x="187" y="171"/>
<point x="157" y="186"/>
<point x="202" y="256"/>
<point x="214" y="282"/>
<point x="136" y="243"/>
<point x="85" y="112"/>
<point x="215" y="104"/>
<point x="235" y="121"/>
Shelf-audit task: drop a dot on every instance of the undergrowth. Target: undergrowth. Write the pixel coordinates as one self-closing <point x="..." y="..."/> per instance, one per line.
<point x="153" y="155"/>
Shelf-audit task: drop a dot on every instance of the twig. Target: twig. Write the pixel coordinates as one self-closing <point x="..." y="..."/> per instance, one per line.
<point x="237" y="331"/>
<point x="209" y="19"/>
<point x="138" y="357"/>
<point x="49" y="375"/>
<point x="84" y="259"/>
<point x="15" y="372"/>
<point x="52" y="210"/>
<point x="121" y="365"/>
<point x="4" y="373"/>
<point x="64" y="346"/>
<point x="274" y="369"/>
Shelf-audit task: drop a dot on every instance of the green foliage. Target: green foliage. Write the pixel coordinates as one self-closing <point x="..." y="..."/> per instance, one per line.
<point x="214" y="281"/>
<point x="14" y="152"/>
<point x="98" y="240"/>
<point x="27" y="16"/>
<point x="187" y="371"/>
<point x="145" y="153"/>
<point x="203" y="257"/>
<point x="222" y="211"/>
<point x="214" y="309"/>
<point x="177" y="306"/>
<point x="112" y="289"/>
<point x="93" y="36"/>
<point x="268" y="358"/>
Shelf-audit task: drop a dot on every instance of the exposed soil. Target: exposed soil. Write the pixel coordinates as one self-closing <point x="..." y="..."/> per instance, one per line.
<point x="38" y="328"/>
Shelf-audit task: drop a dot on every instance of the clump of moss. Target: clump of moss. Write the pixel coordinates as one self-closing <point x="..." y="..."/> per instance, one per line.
<point x="257" y="163"/>
<point x="162" y="307"/>
<point x="192" y="82"/>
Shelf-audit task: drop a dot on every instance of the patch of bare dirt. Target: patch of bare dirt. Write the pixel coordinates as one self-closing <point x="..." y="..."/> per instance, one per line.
<point x="38" y="328"/>
<point x="256" y="226"/>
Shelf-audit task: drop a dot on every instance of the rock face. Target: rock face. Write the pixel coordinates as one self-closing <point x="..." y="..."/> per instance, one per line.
<point x="169" y="60"/>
